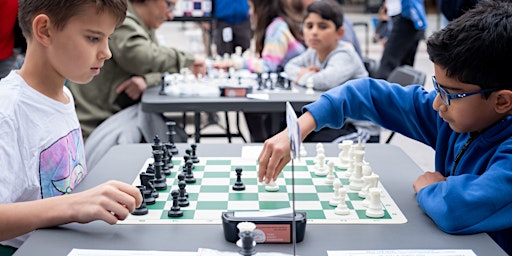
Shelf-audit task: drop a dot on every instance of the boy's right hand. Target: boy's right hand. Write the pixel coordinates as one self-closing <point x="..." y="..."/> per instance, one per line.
<point x="273" y="157"/>
<point x="110" y="202"/>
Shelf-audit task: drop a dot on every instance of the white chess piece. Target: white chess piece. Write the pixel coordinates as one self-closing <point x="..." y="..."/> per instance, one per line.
<point x="373" y="182"/>
<point x="375" y="209"/>
<point x="343" y="156"/>
<point x="320" y="168"/>
<point x="335" y="200"/>
<point x="303" y="151"/>
<point x="272" y="186"/>
<point x="309" y="86"/>
<point x="342" y="208"/>
<point x="330" y="176"/>
<point x="356" y="180"/>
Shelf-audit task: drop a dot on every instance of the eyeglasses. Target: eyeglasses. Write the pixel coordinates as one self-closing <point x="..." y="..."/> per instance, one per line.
<point x="446" y="97"/>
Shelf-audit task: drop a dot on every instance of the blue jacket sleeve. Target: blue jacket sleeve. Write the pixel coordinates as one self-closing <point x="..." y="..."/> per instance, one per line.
<point x="407" y="110"/>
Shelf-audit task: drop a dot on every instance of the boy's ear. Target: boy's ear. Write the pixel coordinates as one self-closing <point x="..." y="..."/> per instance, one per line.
<point x="504" y="101"/>
<point x="341" y="32"/>
<point x="41" y="29"/>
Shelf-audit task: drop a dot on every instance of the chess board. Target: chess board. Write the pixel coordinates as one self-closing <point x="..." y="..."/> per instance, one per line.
<point x="212" y="194"/>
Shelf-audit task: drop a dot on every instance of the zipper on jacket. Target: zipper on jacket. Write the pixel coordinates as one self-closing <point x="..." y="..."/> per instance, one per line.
<point x="461" y="152"/>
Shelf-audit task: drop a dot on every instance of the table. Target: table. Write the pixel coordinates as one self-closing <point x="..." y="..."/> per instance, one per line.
<point x="153" y="102"/>
<point x="397" y="172"/>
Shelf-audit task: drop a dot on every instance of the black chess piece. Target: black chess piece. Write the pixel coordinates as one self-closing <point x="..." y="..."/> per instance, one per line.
<point x="259" y="80"/>
<point x="160" y="179"/>
<point x="247" y="239"/>
<point x="175" y="210"/>
<point x="163" y="84"/>
<point x="170" y="133"/>
<point x="182" y="199"/>
<point x="142" y="209"/>
<point x="193" y="154"/>
<point x="189" y="175"/>
<point x="239" y="185"/>
<point x="181" y="177"/>
<point x="149" y="189"/>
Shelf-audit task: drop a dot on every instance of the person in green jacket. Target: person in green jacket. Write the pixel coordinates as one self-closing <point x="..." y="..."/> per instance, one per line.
<point x="138" y="61"/>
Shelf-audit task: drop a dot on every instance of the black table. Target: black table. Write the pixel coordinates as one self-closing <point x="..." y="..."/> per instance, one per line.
<point x="152" y="101"/>
<point x="397" y="172"/>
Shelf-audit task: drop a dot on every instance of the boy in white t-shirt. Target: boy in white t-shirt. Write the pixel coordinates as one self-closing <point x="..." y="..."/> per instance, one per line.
<point x="41" y="144"/>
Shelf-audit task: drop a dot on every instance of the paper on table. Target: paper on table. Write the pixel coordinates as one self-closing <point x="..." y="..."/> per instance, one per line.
<point x="258" y="96"/>
<point x="402" y="253"/>
<point x="89" y="252"/>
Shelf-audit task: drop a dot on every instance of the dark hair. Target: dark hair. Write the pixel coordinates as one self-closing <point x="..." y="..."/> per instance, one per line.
<point x="328" y="10"/>
<point x="266" y="11"/>
<point x="475" y="48"/>
<point x="60" y="11"/>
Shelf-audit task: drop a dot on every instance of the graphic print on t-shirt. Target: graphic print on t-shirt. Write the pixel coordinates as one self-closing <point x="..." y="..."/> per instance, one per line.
<point x="62" y="165"/>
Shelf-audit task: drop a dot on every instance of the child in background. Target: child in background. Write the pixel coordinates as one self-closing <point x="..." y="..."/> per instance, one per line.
<point x="466" y="119"/>
<point x="41" y="144"/>
<point x="329" y="62"/>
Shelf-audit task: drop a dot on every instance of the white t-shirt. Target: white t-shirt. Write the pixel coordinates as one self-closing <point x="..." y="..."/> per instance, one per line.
<point x="41" y="145"/>
<point x="394" y="7"/>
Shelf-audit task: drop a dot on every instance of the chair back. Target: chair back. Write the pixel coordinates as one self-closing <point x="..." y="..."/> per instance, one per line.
<point x="407" y="75"/>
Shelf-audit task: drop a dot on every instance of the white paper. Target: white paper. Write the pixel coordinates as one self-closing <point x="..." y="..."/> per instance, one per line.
<point x="293" y="131"/>
<point x="402" y="253"/>
<point x="258" y="96"/>
<point x="89" y="252"/>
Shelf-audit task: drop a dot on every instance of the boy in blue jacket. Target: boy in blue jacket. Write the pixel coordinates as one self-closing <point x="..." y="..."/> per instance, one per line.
<point x="466" y="119"/>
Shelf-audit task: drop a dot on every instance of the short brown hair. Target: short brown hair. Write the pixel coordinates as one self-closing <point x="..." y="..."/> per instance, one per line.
<point x="60" y="11"/>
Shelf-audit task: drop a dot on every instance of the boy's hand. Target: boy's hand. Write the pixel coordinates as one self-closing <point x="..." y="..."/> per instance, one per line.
<point x="133" y="87"/>
<point x="303" y="71"/>
<point x="110" y="202"/>
<point x="274" y="156"/>
<point x="199" y="67"/>
<point x="426" y="179"/>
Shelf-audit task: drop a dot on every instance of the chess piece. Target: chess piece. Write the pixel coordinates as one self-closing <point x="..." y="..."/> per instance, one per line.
<point x="330" y="176"/>
<point x="309" y="86"/>
<point x="142" y="209"/>
<point x="239" y="185"/>
<point x="342" y="208"/>
<point x="246" y="242"/>
<point x="193" y="154"/>
<point x="343" y="156"/>
<point x="146" y="180"/>
<point x="182" y="198"/>
<point x="160" y="179"/>
<point x="272" y="186"/>
<point x="170" y="133"/>
<point x="375" y="209"/>
<point x="303" y="151"/>
<point x="335" y="200"/>
<point x="189" y="176"/>
<point x="175" y="210"/>
<point x="181" y="177"/>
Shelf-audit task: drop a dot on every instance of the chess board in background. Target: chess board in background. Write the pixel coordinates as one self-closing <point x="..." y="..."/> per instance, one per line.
<point x="212" y="194"/>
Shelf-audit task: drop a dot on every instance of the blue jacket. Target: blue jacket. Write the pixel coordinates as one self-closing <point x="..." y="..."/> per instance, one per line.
<point x="477" y="195"/>
<point x="414" y="10"/>
<point x="231" y="11"/>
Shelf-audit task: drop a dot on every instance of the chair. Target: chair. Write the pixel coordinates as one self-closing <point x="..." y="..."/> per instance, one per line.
<point x="405" y="75"/>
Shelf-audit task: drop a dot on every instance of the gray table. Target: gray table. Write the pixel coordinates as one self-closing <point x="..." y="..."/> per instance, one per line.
<point x="397" y="172"/>
<point x="152" y="101"/>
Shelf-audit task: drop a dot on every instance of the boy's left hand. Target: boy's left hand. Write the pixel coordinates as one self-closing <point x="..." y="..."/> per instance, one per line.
<point x="426" y="179"/>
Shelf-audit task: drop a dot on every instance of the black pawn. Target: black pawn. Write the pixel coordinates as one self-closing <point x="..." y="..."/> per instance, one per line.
<point x="189" y="175"/>
<point x="239" y="185"/>
<point x="181" y="177"/>
<point x="193" y="154"/>
<point x="175" y="210"/>
<point x="182" y="199"/>
<point x="142" y="209"/>
<point x="247" y="238"/>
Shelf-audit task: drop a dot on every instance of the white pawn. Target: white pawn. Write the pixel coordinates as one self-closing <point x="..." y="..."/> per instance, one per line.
<point x="342" y="208"/>
<point x="375" y="209"/>
<point x="356" y="180"/>
<point x="272" y="186"/>
<point x="330" y="176"/>
<point x="303" y="151"/>
<point x="367" y="169"/>
<point x="309" y="86"/>
<point x="335" y="200"/>
<point x="320" y="168"/>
